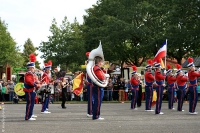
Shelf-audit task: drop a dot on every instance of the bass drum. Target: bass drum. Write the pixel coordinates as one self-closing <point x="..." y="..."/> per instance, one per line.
<point x="19" y="89"/>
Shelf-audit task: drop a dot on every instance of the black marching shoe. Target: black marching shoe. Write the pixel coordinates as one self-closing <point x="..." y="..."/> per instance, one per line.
<point x="63" y="107"/>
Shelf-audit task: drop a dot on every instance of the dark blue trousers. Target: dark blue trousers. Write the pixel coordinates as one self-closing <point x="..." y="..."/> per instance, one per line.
<point x="30" y="101"/>
<point x="34" y="95"/>
<point x="98" y="94"/>
<point x="180" y="96"/>
<point x="45" y="103"/>
<point x="193" y="98"/>
<point x="148" y="97"/>
<point x="159" y="90"/>
<point x="134" y="98"/>
<point x="170" y="92"/>
<point x="90" y="99"/>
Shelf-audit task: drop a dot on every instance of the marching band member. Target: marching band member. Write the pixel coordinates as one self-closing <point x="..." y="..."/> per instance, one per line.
<point x="149" y="79"/>
<point x="97" y="91"/>
<point x="64" y="84"/>
<point x="159" y="77"/>
<point x="99" y="79"/>
<point x="89" y="92"/>
<point x="171" y="87"/>
<point x="181" y="81"/>
<point x="192" y="75"/>
<point x="135" y="81"/>
<point x="30" y="84"/>
<point x="46" y="81"/>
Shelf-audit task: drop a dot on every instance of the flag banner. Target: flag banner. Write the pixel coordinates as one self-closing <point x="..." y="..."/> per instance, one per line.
<point x="162" y="64"/>
<point x="78" y="84"/>
<point x="154" y="98"/>
<point x="161" y="52"/>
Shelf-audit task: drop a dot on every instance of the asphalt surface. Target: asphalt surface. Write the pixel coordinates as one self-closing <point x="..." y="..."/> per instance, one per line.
<point x="118" y="119"/>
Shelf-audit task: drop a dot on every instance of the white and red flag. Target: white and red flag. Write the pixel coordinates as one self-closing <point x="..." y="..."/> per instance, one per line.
<point x="161" y="52"/>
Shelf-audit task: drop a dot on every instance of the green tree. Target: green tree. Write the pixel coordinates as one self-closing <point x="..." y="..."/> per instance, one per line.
<point x="65" y="46"/>
<point x="121" y="26"/>
<point x="132" y="31"/>
<point x="182" y="29"/>
<point x="9" y="50"/>
<point x="28" y="49"/>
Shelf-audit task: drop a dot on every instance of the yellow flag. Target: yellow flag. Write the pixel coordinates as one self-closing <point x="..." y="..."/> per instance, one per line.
<point x="78" y="84"/>
<point x="162" y="64"/>
<point x="154" y="98"/>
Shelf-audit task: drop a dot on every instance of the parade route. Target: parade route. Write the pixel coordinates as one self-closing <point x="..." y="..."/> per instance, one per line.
<point x="118" y="119"/>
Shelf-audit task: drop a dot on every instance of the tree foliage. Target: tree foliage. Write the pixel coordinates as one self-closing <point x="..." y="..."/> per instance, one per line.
<point x="132" y="31"/>
<point x="182" y="30"/>
<point x="9" y="51"/>
<point x="65" y="46"/>
<point x="121" y="25"/>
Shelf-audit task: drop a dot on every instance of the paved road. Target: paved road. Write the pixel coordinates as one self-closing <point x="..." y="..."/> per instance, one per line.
<point x="118" y="119"/>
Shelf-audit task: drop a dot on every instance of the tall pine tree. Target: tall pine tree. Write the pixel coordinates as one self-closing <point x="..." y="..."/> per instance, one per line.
<point x="28" y="49"/>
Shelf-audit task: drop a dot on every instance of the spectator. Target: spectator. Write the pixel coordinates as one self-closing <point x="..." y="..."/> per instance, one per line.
<point x="109" y="90"/>
<point x="39" y="99"/>
<point x="51" y="99"/>
<point x="64" y="92"/>
<point x="15" y="99"/>
<point x="115" y="90"/>
<point x="0" y="89"/>
<point x="127" y="87"/>
<point x="73" y="97"/>
<point x="21" y="79"/>
<point x="3" y="91"/>
<point x="175" y="96"/>
<point x="85" y="93"/>
<point x="69" y="90"/>
<point x="58" y="90"/>
<point x="81" y="97"/>
<point x="10" y="90"/>
<point x="36" y="99"/>
<point x="121" y="85"/>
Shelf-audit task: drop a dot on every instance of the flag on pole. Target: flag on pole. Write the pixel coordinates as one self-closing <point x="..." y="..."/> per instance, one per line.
<point x="78" y="84"/>
<point x="161" y="52"/>
<point x="154" y="98"/>
<point x="162" y="64"/>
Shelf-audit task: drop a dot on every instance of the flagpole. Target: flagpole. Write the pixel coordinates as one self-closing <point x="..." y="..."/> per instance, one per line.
<point x="166" y="54"/>
<point x="165" y="57"/>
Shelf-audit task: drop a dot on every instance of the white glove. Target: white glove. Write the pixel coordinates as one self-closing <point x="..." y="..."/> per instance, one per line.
<point x="164" y="85"/>
<point x="186" y="74"/>
<point x="165" y="71"/>
<point x="175" y="74"/>
<point x="199" y="69"/>
<point x="107" y="75"/>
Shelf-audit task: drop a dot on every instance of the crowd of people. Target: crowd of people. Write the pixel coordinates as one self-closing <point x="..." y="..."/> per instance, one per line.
<point x="111" y="91"/>
<point x="7" y="91"/>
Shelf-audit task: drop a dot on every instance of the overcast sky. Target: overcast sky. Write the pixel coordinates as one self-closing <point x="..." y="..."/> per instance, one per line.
<point x="32" y="18"/>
